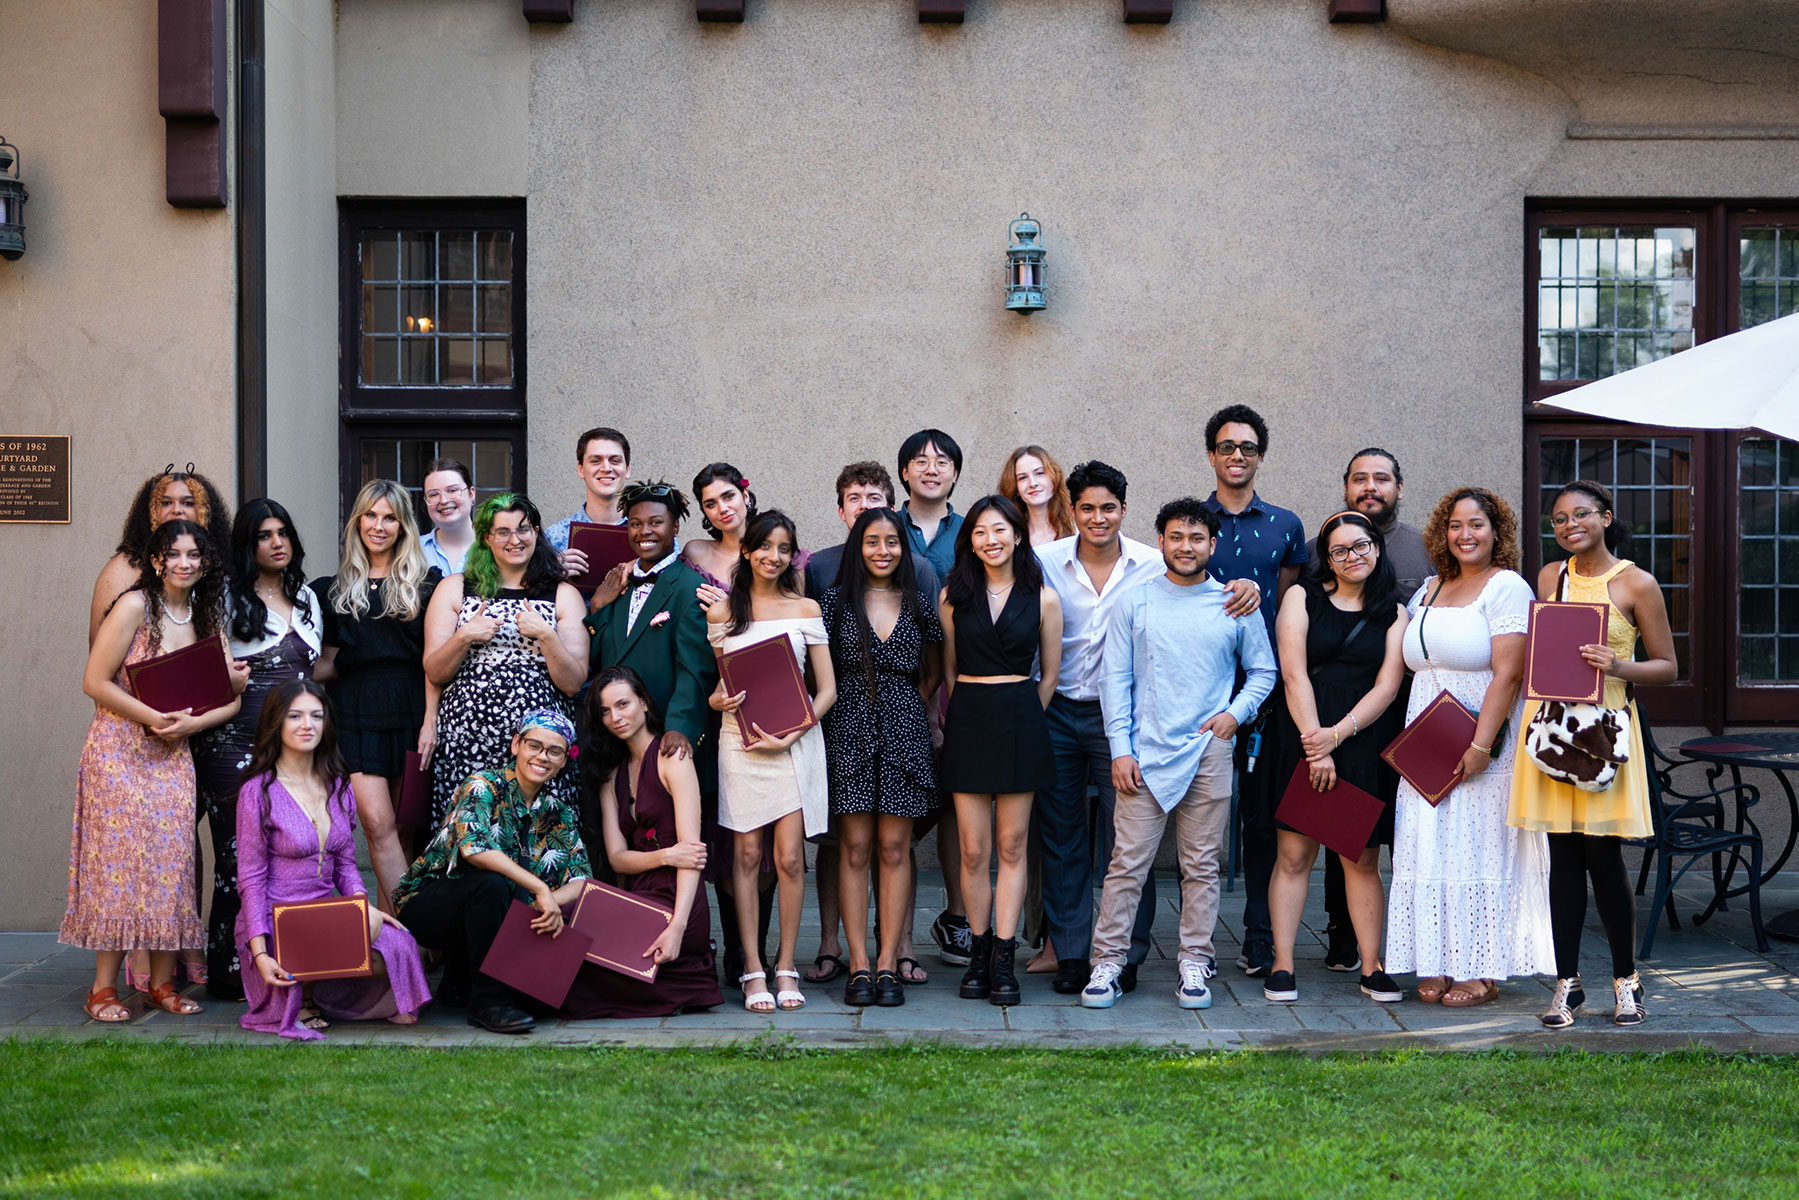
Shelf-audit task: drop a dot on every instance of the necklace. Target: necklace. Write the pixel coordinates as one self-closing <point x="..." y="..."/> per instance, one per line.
<point x="179" y="620"/>
<point x="301" y="791"/>
<point x="1000" y="592"/>
<point x="871" y="587"/>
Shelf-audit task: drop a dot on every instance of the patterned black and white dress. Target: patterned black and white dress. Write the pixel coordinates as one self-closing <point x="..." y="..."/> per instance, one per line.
<point x="879" y="742"/>
<point x="498" y="683"/>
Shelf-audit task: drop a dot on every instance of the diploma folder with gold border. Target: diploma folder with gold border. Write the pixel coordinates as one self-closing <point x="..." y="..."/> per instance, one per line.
<point x="776" y="696"/>
<point x="1426" y="751"/>
<point x="196" y="677"/>
<point x="622" y="927"/>
<point x="323" y="939"/>
<point x="1553" y="667"/>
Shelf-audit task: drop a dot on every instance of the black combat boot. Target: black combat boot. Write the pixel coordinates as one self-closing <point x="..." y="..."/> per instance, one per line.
<point x="1003" y="984"/>
<point x="975" y="985"/>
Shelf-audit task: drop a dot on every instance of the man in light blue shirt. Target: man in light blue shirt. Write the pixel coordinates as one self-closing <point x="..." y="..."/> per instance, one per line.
<point x="1171" y="659"/>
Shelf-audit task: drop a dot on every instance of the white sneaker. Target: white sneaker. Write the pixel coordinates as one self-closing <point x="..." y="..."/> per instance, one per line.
<point x="1102" y="990"/>
<point x="1192" y="991"/>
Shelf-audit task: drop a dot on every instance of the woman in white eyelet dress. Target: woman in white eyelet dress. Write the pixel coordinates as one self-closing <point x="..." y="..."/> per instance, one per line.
<point x="1469" y="902"/>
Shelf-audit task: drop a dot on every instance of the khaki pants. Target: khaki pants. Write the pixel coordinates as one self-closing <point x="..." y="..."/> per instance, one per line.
<point x="1199" y="830"/>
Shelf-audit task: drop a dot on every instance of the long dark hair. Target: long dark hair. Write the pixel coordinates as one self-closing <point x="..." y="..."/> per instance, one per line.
<point x="1380" y="592"/>
<point x="602" y="750"/>
<point x="480" y="571"/>
<point x="852" y="588"/>
<point x="967" y="577"/>
<point x="327" y="759"/>
<point x="721" y="472"/>
<point x="210" y="511"/>
<point x="757" y="531"/>
<point x="207" y="600"/>
<point x="1617" y="536"/>
<point x="249" y="615"/>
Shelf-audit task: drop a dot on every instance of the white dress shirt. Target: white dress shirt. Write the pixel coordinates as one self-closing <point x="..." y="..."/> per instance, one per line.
<point x="640" y="590"/>
<point x="1086" y="611"/>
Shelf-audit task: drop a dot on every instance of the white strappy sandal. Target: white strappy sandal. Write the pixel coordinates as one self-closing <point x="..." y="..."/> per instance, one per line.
<point x="753" y="1000"/>
<point x="789" y="1000"/>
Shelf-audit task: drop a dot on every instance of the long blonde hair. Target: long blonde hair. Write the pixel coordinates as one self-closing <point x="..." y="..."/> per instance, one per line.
<point x="1061" y="512"/>
<point x="350" y="590"/>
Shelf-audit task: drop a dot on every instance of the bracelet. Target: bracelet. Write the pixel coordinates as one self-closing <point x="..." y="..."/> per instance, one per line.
<point x="1355" y="726"/>
<point x="1486" y="750"/>
<point x="1336" y="738"/>
<point x="261" y="954"/>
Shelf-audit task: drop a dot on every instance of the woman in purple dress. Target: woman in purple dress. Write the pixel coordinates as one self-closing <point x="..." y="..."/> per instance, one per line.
<point x="296" y="840"/>
<point x="650" y="814"/>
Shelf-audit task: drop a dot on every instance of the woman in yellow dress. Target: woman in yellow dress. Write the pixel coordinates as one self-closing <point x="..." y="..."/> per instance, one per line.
<point x="1586" y="830"/>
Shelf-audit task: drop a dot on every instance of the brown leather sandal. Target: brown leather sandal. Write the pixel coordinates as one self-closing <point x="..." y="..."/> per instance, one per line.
<point x="166" y="997"/>
<point x="1475" y="991"/>
<point x="1431" y="988"/>
<point x="101" y="1000"/>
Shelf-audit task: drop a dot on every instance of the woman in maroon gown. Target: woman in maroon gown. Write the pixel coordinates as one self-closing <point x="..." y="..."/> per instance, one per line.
<point x="649" y="811"/>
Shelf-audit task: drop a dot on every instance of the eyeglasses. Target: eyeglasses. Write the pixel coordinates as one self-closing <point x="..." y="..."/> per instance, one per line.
<point x="536" y="749"/>
<point x="436" y="494"/>
<point x="1232" y="449"/>
<point x="1361" y="549"/>
<point x="523" y="535"/>
<point x="925" y="460"/>
<point x="1579" y="514"/>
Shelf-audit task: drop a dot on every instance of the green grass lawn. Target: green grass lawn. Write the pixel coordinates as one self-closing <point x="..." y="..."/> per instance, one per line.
<point x="136" y="1119"/>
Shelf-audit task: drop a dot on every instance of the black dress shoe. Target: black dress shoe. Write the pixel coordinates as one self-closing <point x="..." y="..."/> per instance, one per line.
<point x="502" y="1018"/>
<point x="1127" y="978"/>
<point x="859" y="992"/>
<point x="890" y="990"/>
<point x="1072" y="975"/>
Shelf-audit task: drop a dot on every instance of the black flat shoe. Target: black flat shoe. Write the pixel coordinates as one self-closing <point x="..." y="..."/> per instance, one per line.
<point x="859" y="992"/>
<point x="1071" y="976"/>
<point x="502" y="1018"/>
<point x="890" y="991"/>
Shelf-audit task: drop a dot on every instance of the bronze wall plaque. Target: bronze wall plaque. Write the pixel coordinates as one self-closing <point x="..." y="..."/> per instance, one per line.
<point x="34" y="479"/>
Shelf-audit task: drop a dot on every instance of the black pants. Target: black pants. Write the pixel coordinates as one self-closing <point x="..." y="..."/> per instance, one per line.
<point x="223" y="979"/>
<point x="461" y="917"/>
<point x="1257" y="797"/>
<point x="1573" y="859"/>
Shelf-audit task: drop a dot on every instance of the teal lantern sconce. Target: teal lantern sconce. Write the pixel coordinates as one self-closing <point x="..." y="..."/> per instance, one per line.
<point x="1024" y="266"/>
<point x="12" y="203"/>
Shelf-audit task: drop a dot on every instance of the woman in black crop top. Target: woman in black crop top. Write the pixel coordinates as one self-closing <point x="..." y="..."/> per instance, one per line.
<point x="998" y="617"/>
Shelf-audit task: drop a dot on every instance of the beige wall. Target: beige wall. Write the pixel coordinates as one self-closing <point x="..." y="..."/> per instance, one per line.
<point x="117" y="329"/>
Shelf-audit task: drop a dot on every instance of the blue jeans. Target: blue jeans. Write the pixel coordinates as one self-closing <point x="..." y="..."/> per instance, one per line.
<point x="1070" y="826"/>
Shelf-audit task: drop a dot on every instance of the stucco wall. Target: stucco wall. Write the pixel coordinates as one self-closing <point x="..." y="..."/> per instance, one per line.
<point x="116" y="328"/>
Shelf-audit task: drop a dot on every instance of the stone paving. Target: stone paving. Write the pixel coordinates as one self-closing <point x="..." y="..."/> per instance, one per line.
<point x="1706" y="986"/>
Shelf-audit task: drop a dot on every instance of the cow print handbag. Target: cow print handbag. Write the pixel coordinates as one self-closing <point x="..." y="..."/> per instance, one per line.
<point x="1581" y="744"/>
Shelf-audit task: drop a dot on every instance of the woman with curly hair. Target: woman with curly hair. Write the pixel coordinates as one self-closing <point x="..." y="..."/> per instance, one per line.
<point x="1469" y="902"/>
<point x="1032" y="479"/>
<point x="131" y="858"/>
<point x="165" y="496"/>
<point x="502" y="638"/>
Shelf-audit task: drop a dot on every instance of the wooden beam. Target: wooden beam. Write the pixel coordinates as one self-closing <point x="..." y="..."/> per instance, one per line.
<point x="719" y="10"/>
<point x="1148" y="12"/>
<point x="190" y="95"/>
<point x="940" y="12"/>
<point x="1357" y="12"/>
<point x="558" y="11"/>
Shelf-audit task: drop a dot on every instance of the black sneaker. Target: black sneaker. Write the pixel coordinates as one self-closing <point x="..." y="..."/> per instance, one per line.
<point x="1257" y="958"/>
<point x="954" y="943"/>
<point x="1380" y="986"/>
<point x="1127" y="978"/>
<point x="1344" y="954"/>
<point x="1280" y="988"/>
<point x="1072" y="975"/>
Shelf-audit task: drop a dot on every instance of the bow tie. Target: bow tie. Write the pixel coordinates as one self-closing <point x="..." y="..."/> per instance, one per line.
<point x="643" y="579"/>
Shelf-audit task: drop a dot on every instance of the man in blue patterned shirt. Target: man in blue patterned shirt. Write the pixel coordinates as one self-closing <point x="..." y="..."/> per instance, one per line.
<point x="1261" y="547"/>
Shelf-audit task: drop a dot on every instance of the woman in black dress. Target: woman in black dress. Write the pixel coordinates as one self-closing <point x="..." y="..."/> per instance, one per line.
<point x="375" y="642"/>
<point x="277" y="629"/>
<point x="998" y="616"/>
<point x="886" y="651"/>
<point x="1339" y="636"/>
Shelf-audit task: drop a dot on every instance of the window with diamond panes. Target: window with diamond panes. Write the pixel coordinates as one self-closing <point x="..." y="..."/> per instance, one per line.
<point x="405" y="459"/>
<point x="1768" y="545"/>
<point x="1768" y="274"/>
<point x="1611" y="298"/>
<point x="1651" y="484"/>
<point x="437" y="308"/>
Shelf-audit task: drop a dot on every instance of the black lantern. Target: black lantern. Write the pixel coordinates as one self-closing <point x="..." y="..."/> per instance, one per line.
<point x="12" y="203"/>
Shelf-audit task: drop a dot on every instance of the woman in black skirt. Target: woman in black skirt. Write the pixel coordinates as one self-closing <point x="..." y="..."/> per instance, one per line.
<point x="997" y="617"/>
<point x="1339" y="635"/>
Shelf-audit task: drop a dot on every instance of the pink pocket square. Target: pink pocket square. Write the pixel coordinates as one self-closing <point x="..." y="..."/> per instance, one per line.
<point x="660" y="618"/>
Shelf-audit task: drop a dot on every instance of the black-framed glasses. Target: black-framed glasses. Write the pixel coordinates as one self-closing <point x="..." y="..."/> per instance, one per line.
<point x="1361" y="549"/>
<point x="1579" y="514"/>
<point x="1232" y="449"/>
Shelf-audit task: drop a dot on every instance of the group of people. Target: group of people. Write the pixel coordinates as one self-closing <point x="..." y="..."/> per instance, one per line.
<point x="1041" y="689"/>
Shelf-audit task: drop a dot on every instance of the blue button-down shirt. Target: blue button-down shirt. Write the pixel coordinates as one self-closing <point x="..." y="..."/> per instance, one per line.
<point x="1170" y="661"/>
<point x="440" y="558"/>
<point x="1254" y="545"/>
<point x="940" y="550"/>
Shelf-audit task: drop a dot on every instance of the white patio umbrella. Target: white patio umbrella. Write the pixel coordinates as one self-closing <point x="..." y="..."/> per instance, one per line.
<point x="1748" y="380"/>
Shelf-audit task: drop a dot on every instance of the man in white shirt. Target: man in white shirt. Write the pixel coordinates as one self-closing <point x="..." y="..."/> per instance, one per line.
<point x="1089" y="571"/>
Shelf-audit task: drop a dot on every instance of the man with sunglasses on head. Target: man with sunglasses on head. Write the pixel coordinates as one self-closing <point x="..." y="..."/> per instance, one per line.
<point x="1261" y="547"/>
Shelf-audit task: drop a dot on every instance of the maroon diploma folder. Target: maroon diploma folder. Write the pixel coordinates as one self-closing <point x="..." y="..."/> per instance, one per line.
<point x="605" y="546"/>
<point x="196" y="677"/>
<point x="1553" y="667"/>
<point x="1341" y="818"/>
<point x="414" y="809"/>
<point x="622" y="926"/>
<point x="777" y="698"/>
<point x="1426" y="751"/>
<point x="323" y="939"/>
<point x="541" y="966"/>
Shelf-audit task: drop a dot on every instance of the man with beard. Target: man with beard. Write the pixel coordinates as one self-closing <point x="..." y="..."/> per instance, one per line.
<point x="1372" y="486"/>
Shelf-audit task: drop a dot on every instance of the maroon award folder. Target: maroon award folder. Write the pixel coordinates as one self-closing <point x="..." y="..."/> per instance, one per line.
<point x="1553" y="667"/>
<point x="605" y="546"/>
<point x="414" y="809"/>
<point x="1426" y="751"/>
<point x="541" y="966"/>
<point x="196" y="677"/>
<point x="1341" y="818"/>
<point x="323" y="939"/>
<point x="622" y="926"/>
<point x="777" y="698"/>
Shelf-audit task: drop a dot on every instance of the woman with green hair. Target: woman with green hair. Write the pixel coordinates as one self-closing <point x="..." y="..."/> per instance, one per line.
<point x="502" y="638"/>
